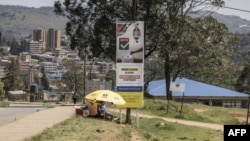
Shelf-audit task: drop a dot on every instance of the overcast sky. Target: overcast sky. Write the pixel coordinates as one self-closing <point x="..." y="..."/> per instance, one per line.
<point x="238" y="4"/>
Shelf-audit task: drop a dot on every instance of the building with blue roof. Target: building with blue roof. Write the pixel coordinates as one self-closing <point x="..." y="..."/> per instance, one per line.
<point x="198" y="92"/>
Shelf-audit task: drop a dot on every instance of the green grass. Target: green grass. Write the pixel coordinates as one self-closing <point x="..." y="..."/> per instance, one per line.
<point x="81" y="128"/>
<point x="159" y="130"/>
<point x="4" y="104"/>
<point x="194" y="112"/>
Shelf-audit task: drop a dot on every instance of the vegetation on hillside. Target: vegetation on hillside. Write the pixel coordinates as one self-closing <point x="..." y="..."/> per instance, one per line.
<point x="19" y="21"/>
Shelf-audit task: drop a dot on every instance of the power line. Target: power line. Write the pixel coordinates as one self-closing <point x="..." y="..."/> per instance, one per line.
<point x="236" y="9"/>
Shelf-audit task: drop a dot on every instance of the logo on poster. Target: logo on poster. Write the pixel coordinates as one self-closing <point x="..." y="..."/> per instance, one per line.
<point x="124" y="43"/>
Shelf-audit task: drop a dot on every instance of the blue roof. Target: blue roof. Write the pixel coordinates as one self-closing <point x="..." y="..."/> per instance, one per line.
<point x="192" y="88"/>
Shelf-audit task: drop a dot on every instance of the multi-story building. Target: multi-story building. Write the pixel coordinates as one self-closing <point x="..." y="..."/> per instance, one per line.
<point x="3" y="64"/>
<point x="24" y="61"/>
<point x="36" y="47"/>
<point x="48" y="39"/>
<point x="49" y="67"/>
<point x="53" y="39"/>
<point x="40" y="35"/>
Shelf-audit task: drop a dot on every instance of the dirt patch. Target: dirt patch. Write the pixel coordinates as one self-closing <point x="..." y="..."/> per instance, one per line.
<point x="107" y="134"/>
<point x="200" y="110"/>
<point x="240" y="116"/>
<point x="135" y="137"/>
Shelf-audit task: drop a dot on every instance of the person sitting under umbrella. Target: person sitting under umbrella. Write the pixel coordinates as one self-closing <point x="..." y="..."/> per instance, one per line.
<point x="92" y="107"/>
<point x="104" y="113"/>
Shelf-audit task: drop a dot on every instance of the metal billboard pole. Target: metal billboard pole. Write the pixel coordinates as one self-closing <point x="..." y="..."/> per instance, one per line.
<point x="134" y="3"/>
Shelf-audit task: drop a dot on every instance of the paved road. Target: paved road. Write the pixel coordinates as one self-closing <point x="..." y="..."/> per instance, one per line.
<point x="17" y="111"/>
<point x="34" y="123"/>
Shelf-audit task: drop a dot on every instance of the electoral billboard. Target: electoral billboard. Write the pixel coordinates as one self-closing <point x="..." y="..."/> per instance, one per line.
<point x="130" y="62"/>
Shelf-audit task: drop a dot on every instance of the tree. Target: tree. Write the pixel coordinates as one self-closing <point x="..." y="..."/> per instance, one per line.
<point x="189" y="44"/>
<point x="243" y="81"/>
<point x="3" y="52"/>
<point x="12" y="80"/>
<point x="73" y="78"/>
<point x="243" y="84"/>
<point x="1" y="91"/>
<point x="92" y="24"/>
<point x="44" y="80"/>
<point x="152" y="70"/>
<point x="111" y="76"/>
<point x="203" y="48"/>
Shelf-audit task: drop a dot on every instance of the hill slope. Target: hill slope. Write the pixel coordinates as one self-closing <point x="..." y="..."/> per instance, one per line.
<point x="20" y="21"/>
<point x="235" y="24"/>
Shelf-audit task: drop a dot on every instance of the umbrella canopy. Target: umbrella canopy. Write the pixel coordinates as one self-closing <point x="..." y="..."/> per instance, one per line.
<point x="107" y="96"/>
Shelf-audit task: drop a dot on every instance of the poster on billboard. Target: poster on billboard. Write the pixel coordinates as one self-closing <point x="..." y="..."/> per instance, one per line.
<point x="130" y="42"/>
<point x="130" y="61"/>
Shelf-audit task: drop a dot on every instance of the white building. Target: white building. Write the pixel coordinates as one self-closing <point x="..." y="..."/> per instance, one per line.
<point x="49" y="66"/>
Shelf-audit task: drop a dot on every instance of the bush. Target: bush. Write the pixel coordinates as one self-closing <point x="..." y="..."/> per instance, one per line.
<point x="4" y="104"/>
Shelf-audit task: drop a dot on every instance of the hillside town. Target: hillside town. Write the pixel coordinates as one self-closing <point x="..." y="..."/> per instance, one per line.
<point x="47" y="69"/>
<point x="44" y="54"/>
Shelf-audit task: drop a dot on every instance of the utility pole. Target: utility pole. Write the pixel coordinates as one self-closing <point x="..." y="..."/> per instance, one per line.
<point x="84" y="76"/>
<point x="133" y="15"/>
<point x="248" y="112"/>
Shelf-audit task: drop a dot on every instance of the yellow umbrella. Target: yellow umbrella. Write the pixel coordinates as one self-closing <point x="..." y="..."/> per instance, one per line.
<point x="107" y="96"/>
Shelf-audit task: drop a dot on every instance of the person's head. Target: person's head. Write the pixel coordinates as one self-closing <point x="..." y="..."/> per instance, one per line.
<point x="102" y="103"/>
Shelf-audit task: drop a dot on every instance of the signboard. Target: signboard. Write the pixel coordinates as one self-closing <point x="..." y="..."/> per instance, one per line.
<point x="130" y="62"/>
<point x="178" y="87"/>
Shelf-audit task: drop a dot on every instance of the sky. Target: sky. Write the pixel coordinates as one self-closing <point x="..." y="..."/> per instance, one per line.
<point x="29" y="3"/>
<point x="238" y="4"/>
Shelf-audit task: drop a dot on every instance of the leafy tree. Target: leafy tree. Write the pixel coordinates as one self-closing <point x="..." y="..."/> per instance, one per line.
<point x="25" y="77"/>
<point x="14" y="47"/>
<point x="111" y="76"/>
<point x="243" y="52"/>
<point x="92" y="23"/>
<point x="204" y="49"/>
<point x="12" y="80"/>
<point x="243" y="81"/>
<point x="44" y="80"/>
<point x="1" y="91"/>
<point x="73" y="78"/>
<point x="188" y="45"/>
<point x="41" y="59"/>
<point x="152" y="70"/>
<point x="3" y="52"/>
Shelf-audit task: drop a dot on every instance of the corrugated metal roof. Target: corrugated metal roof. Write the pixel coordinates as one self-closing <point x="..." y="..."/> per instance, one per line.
<point x="192" y="88"/>
<point x="52" y="93"/>
<point x="17" y="92"/>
